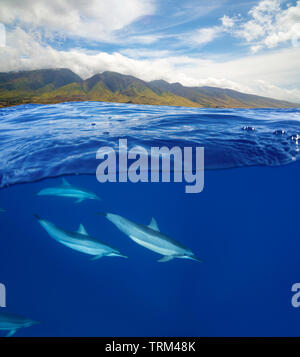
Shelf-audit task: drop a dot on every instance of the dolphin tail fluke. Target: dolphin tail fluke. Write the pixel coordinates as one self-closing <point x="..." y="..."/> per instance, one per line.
<point x="166" y="258"/>
<point x="11" y="333"/>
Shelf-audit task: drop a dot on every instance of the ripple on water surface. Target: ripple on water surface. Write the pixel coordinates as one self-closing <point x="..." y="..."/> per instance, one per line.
<point x="39" y="141"/>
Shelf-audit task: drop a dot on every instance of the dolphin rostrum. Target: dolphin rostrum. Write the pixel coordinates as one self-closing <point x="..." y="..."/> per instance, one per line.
<point x="67" y="190"/>
<point x="80" y="241"/>
<point x="12" y="323"/>
<point x="150" y="237"/>
<point x="2" y="210"/>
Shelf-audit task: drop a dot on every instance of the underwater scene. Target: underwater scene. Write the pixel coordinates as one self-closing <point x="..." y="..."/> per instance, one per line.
<point x="84" y="258"/>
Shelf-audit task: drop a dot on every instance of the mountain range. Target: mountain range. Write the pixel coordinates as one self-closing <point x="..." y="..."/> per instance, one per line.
<point x="62" y="85"/>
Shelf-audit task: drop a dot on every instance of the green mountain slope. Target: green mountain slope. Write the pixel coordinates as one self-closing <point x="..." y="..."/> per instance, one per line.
<point x="219" y="97"/>
<point x="113" y="87"/>
<point x="22" y="87"/>
<point x="62" y="85"/>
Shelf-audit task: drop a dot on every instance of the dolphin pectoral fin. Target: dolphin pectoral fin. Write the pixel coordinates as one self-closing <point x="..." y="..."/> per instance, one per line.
<point x="65" y="182"/>
<point x="196" y="259"/>
<point x="82" y="230"/>
<point x="11" y="333"/>
<point x="166" y="258"/>
<point x="97" y="257"/>
<point x="153" y="225"/>
<point x="117" y="254"/>
<point x="79" y="200"/>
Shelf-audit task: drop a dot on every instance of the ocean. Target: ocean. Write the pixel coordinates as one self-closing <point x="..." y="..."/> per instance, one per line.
<point x="244" y="225"/>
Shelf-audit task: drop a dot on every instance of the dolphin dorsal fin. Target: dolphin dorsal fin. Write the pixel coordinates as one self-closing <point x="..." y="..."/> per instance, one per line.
<point x="153" y="225"/>
<point x="65" y="182"/>
<point x="82" y="230"/>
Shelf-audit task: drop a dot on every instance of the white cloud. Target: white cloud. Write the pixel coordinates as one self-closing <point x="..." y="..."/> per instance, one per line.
<point x="256" y="48"/>
<point x="172" y="14"/>
<point x="145" y="53"/>
<point x="270" y="25"/>
<point x="273" y="91"/>
<point x="276" y="70"/>
<point x="228" y="22"/>
<point x="141" y="39"/>
<point x="93" y="19"/>
<point x="204" y="35"/>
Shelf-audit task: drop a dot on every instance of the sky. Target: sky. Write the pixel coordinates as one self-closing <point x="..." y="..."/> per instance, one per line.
<point x="248" y="45"/>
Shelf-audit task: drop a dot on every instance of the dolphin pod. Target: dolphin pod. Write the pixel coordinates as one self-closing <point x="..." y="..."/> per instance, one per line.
<point x="79" y="241"/>
<point x="67" y="190"/>
<point x="12" y="323"/>
<point x="150" y="237"/>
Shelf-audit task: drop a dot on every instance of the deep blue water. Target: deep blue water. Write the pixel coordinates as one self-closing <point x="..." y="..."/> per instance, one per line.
<point x="244" y="225"/>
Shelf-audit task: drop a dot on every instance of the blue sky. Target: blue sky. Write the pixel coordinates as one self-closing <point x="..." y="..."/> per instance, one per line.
<point x="175" y="22"/>
<point x="248" y="45"/>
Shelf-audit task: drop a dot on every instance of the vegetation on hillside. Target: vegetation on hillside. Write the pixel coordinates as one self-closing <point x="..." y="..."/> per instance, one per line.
<point x="62" y="85"/>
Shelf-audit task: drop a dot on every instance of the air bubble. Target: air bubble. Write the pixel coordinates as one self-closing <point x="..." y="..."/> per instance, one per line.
<point x="295" y="137"/>
<point x="248" y="128"/>
<point x="279" y="132"/>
